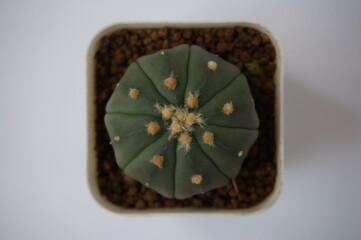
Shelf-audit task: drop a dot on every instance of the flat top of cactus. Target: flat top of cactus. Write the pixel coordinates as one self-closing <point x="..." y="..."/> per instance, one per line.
<point x="182" y="121"/>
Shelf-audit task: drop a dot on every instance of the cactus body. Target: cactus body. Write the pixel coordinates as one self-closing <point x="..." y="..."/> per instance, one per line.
<point x="181" y="121"/>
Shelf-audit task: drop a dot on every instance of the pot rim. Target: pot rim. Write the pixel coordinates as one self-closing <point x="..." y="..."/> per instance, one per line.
<point x="91" y="154"/>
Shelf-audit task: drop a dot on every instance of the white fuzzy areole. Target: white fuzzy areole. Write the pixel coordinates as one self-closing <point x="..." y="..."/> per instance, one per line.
<point x="152" y="127"/>
<point x="185" y="140"/>
<point x="197" y="179"/>
<point x="134" y="93"/>
<point x="158" y="161"/>
<point x="208" y="138"/>
<point x="212" y="65"/>
<point x="192" y="100"/>
<point x="170" y="83"/>
<point x="240" y="154"/>
<point x="228" y="108"/>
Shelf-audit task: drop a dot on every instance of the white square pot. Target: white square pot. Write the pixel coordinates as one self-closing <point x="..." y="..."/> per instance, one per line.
<point x="92" y="161"/>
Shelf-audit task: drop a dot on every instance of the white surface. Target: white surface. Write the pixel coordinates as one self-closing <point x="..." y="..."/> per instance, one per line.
<point x="43" y="134"/>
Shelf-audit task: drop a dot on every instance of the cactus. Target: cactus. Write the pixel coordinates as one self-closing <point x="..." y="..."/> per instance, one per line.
<point x="181" y="121"/>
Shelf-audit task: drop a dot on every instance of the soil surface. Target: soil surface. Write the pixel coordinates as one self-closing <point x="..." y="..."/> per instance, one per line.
<point x="246" y="48"/>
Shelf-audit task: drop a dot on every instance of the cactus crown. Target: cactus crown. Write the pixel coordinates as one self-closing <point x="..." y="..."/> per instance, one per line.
<point x="181" y="121"/>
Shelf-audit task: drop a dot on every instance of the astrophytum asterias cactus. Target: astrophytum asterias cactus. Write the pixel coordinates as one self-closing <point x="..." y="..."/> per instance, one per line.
<point x="181" y="121"/>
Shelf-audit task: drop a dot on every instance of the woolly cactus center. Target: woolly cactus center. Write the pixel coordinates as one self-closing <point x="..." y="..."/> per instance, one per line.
<point x="179" y="119"/>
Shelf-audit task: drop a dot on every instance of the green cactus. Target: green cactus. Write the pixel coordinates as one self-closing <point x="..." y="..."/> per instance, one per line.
<point x="181" y="121"/>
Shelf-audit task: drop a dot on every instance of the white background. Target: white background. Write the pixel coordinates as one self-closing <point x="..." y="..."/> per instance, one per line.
<point x="43" y="187"/>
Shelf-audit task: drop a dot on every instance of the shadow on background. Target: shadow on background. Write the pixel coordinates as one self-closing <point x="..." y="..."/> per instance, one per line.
<point x="315" y="123"/>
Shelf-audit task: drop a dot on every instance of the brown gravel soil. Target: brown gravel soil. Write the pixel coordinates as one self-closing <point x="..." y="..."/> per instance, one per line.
<point x="246" y="48"/>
